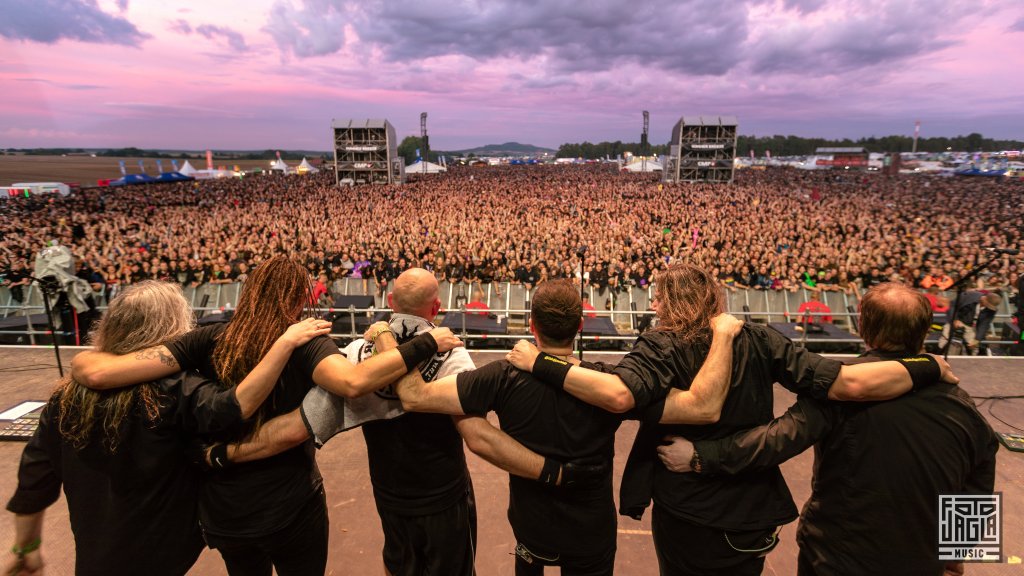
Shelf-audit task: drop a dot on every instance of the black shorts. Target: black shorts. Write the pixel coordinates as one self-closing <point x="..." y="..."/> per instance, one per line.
<point x="441" y="543"/>
<point x="531" y="560"/>
<point x="685" y="549"/>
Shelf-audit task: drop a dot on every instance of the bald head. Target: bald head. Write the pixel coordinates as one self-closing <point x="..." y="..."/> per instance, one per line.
<point x="415" y="293"/>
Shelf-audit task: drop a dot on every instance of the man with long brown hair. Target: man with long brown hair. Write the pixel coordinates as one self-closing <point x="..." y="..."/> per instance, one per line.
<point x="705" y="525"/>
<point x="935" y="438"/>
<point x="121" y="455"/>
<point x="269" y="512"/>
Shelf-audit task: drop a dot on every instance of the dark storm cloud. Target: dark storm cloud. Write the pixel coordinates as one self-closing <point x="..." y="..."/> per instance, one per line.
<point x="233" y="38"/>
<point x="877" y="33"/>
<point x="690" y="36"/>
<point x="49" y="21"/>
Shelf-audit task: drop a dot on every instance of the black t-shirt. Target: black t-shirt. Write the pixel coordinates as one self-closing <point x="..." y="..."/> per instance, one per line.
<point x="417" y="463"/>
<point x="260" y="497"/>
<point x="557" y="425"/>
<point x="761" y="356"/>
<point x="879" y="468"/>
<point x="115" y="498"/>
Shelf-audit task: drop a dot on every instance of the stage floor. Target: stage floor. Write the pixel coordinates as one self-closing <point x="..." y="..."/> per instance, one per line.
<point x="31" y="374"/>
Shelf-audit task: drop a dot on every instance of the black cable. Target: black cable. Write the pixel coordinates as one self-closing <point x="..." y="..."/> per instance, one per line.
<point x="29" y="368"/>
<point x="992" y="404"/>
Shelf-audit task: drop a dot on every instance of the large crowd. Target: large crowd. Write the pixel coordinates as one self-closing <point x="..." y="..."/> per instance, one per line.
<point x="776" y="229"/>
<point x="217" y="439"/>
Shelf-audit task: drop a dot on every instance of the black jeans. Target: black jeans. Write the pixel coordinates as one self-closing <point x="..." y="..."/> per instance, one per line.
<point x="686" y="549"/>
<point x="300" y="549"/>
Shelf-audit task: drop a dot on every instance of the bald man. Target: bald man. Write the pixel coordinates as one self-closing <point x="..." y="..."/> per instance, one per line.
<point x="417" y="464"/>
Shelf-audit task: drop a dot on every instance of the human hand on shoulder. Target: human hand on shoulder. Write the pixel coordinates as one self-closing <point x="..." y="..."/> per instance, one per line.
<point x="726" y="325"/>
<point x="947" y="372"/>
<point x="523" y="355"/>
<point x="301" y="332"/>
<point x="446" y="340"/>
<point x="375" y="330"/>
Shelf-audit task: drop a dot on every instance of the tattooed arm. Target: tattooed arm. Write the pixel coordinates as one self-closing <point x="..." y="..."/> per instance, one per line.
<point x="104" y="371"/>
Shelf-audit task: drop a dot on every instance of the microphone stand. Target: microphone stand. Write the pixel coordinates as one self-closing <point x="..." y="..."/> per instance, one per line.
<point x="959" y="285"/>
<point x="49" y="288"/>
<point x="583" y="315"/>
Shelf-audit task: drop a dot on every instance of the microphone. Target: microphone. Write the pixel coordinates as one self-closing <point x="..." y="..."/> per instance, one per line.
<point x="581" y="251"/>
<point x="1007" y="251"/>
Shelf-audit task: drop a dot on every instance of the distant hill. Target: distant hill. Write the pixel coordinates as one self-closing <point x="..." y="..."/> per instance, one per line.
<point x="506" y="149"/>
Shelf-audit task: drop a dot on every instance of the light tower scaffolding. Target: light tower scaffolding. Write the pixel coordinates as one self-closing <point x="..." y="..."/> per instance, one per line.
<point x="366" y="152"/>
<point x="702" y="149"/>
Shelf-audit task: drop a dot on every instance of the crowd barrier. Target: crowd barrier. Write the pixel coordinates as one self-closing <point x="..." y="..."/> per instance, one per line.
<point x="628" y="310"/>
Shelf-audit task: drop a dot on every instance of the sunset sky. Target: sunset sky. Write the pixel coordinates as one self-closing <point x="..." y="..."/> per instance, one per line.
<point x="258" y="74"/>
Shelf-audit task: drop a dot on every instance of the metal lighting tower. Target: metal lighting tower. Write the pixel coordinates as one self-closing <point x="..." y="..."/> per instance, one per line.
<point x="425" y="143"/>
<point x="644" y="145"/>
<point x="917" y="132"/>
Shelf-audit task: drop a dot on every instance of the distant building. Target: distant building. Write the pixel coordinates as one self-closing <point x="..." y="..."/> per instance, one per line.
<point x="842" y="158"/>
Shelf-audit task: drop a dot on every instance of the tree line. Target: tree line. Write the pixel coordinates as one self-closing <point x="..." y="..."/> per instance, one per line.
<point x="799" y="146"/>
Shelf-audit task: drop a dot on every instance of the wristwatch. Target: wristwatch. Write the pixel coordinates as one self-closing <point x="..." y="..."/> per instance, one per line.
<point x="695" y="462"/>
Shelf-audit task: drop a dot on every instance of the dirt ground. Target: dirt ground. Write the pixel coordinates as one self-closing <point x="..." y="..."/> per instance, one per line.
<point x="85" y="170"/>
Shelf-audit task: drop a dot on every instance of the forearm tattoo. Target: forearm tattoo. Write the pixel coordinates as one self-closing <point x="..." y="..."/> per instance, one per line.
<point x="158" y="352"/>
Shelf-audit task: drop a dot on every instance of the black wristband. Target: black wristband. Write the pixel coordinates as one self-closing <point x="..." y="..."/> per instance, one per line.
<point x="924" y="370"/>
<point x="418" y="350"/>
<point x="551" y="370"/>
<point x="549" y="473"/>
<point x="219" y="457"/>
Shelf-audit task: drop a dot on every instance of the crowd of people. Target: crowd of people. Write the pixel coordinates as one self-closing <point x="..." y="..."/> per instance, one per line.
<point x="774" y="230"/>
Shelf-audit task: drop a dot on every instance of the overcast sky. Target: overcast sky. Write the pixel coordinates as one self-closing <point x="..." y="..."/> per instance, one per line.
<point x="257" y="74"/>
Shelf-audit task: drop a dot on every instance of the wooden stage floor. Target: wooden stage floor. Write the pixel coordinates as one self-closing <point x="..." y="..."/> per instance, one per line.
<point x="30" y="374"/>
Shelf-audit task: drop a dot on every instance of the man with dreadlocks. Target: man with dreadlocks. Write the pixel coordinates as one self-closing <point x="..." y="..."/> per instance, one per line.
<point x="121" y="456"/>
<point x="717" y="525"/>
<point x="272" y="512"/>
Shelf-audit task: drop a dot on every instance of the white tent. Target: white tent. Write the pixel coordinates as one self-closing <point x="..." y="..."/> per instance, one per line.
<point x="643" y="166"/>
<point x="420" y="167"/>
<point x="280" y="165"/>
<point x="188" y="170"/>
<point x="306" y="168"/>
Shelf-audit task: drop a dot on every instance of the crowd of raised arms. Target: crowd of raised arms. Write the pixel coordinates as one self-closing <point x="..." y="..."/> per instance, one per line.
<point x="776" y="229"/>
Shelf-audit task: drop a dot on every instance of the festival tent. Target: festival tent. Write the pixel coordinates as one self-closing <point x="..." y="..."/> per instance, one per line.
<point x="280" y="165"/>
<point x="173" y="177"/>
<point x="187" y="169"/>
<point x="306" y="168"/>
<point x="642" y="166"/>
<point x="972" y="171"/>
<point x="129" y="179"/>
<point x="420" y="166"/>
